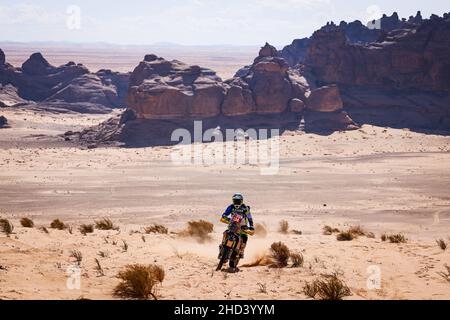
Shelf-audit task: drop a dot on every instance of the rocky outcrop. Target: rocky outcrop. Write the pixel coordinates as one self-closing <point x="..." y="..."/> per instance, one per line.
<point x="406" y="59"/>
<point x="2" y="58"/>
<point x="37" y="81"/>
<point x="161" y="89"/>
<point x="10" y="98"/>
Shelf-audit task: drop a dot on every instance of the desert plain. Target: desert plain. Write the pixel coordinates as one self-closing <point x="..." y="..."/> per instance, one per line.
<point x="386" y="180"/>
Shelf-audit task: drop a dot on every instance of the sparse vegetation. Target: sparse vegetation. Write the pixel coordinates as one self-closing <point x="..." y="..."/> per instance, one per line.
<point x="260" y="230"/>
<point x="6" y="227"/>
<point x="99" y="268"/>
<point x="124" y="246"/>
<point x="143" y="238"/>
<point x="284" y="227"/>
<point x="327" y="287"/>
<point x="199" y="229"/>
<point x="297" y="260"/>
<point x="262" y="288"/>
<point x="27" y="223"/>
<point x="76" y="255"/>
<point x="44" y="229"/>
<point x="105" y="224"/>
<point x="86" y="228"/>
<point x="279" y="253"/>
<point x="442" y="244"/>
<point x="384" y="237"/>
<point x="103" y="254"/>
<point x="397" y="238"/>
<point x="139" y="282"/>
<point x="445" y="275"/>
<point x="70" y="229"/>
<point x="297" y="232"/>
<point x="357" y="231"/>
<point x="156" y="228"/>
<point x="328" y="231"/>
<point x="58" y="224"/>
<point x="345" y="236"/>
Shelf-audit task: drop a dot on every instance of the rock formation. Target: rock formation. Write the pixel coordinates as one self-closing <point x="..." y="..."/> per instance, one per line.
<point x="70" y="86"/>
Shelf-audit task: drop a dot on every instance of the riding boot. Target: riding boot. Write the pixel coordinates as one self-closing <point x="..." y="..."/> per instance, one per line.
<point x="242" y="250"/>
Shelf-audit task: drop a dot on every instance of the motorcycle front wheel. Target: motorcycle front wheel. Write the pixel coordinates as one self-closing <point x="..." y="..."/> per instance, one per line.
<point x="223" y="258"/>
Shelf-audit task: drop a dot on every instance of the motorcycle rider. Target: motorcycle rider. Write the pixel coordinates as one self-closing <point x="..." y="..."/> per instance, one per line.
<point x="238" y="206"/>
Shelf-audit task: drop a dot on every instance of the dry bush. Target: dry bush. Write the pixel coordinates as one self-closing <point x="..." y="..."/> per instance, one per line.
<point x="397" y="238"/>
<point x="357" y="231"/>
<point x="442" y="244"/>
<point x="156" y="228"/>
<point x="199" y="229"/>
<point x="139" y="282"/>
<point x="58" y="224"/>
<point x="445" y="275"/>
<point x="86" y="228"/>
<point x="6" y="227"/>
<point x="70" y="229"/>
<point x="260" y="230"/>
<point x="328" y="287"/>
<point x="384" y="237"/>
<point x="328" y="231"/>
<point x="297" y="260"/>
<point x="103" y="254"/>
<point x="284" y="227"/>
<point x="27" y="223"/>
<point x="370" y="235"/>
<point x="124" y="246"/>
<point x="279" y="253"/>
<point x="297" y="232"/>
<point x="105" y="224"/>
<point x="98" y="268"/>
<point x="262" y="288"/>
<point x="44" y="229"/>
<point x="76" y="255"/>
<point x="345" y="236"/>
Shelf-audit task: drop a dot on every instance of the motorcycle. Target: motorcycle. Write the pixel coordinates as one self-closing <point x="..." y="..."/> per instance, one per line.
<point x="232" y="242"/>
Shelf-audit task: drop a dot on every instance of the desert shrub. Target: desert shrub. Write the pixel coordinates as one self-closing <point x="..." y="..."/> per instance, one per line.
<point x="6" y="227"/>
<point x="86" y="228"/>
<point x="260" y="230"/>
<point x="139" y="282"/>
<point x="124" y="246"/>
<point x="370" y="235"/>
<point x="357" y="231"/>
<point x="58" y="224"/>
<point x="44" y="229"/>
<point x="156" y="228"/>
<point x="284" y="227"/>
<point x="98" y="268"/>
<point x="297" y="260"/>
<point x="384" y="237"/>
<point x="442" y="244"/>
<point x="345" y="236"/>
<point x="297" y="232"/>
<point x="445" y="275"/>
<point x="27" y="223"/>
<point x="397" y="238"/>
<point x="328" y="231"/>
<point x="328" y="287"/>
<point x="279" y="253"/>
<point x="76" y="255"/>
<point x="199" y="229"/>
<point x="103" y="254"/>
<point x="105" y="224"/>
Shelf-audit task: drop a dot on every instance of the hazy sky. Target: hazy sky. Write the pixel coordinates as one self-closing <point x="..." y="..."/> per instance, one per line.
<point x="203" y="22"/>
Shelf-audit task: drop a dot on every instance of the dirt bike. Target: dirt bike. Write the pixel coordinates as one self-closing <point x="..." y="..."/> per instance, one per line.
<point x="230" y="249"/>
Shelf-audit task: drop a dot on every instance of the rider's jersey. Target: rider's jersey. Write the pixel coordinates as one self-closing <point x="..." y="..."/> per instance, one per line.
<point x="244" y="210"/>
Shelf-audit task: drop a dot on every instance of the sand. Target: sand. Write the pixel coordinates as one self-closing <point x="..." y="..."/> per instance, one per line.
<point x="386" y="180"/>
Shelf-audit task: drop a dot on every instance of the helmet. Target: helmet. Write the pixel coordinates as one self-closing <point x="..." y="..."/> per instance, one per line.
<point x="238" y="199"/>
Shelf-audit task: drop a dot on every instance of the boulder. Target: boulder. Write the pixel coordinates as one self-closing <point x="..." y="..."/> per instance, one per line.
<point x="2" y="58"/>
<point x="3" y="122"/>
<point x="296" y="105"/>
<point x="37" y="65"/>
<point x="328" y="121"/>
<point x="325" y="99"/>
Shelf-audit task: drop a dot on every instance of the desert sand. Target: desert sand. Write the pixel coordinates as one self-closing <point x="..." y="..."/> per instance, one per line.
<point x="385" y="180"/>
